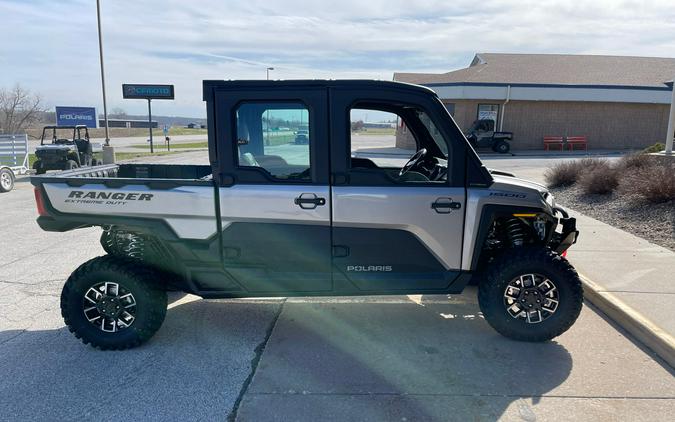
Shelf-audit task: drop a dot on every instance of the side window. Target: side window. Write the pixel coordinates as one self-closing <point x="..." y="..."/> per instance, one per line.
<point x="380" y="137"/>
<point x="274" y="137"/>
<point x="488" y="112"/>
<point x="386" y="149"/>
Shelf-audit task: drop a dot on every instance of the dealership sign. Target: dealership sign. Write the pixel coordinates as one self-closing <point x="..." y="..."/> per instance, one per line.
<point x="147" y="92"/>
<point x="70" y="116"/>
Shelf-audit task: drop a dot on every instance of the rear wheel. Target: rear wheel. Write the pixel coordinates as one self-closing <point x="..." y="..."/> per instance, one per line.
<point x="113" y="303"/>
<point x="6" y="180"/>
<point x="501" y="147"/>
<point x="71" y="164"/>
<point x="530" y="294"/>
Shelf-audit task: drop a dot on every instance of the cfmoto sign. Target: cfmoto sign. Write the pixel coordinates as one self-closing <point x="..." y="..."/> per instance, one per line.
<point x="149" y="92"/>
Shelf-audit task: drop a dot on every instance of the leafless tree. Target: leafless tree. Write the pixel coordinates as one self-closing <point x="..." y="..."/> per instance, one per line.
<point x="19" y="109"/>
<point x="118" y="113"/>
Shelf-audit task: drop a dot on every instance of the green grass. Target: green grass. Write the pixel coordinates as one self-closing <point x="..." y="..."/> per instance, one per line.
<point x="129" y="155"/>
<point x="377" y="131"/>
<point x="182" y="145"/>
<point x="176" y="131"/>
<point x="118" y="156"/>
<point x="273" y="140"/>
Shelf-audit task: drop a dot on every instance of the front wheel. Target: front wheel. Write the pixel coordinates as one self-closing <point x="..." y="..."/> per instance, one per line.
<point x="113" y="303"/>
<point x="530" y="294"/>
<point x="39" y="167"/>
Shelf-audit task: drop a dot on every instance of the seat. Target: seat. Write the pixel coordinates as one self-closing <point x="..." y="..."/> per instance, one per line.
<point x="247" y="159"/>
<point x="553" y="141"/>
<point x="577" y="140"/>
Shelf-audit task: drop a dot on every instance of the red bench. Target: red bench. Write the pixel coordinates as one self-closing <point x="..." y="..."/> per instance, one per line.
<point x="577" y="140"/>
<point x="553" y="140"/>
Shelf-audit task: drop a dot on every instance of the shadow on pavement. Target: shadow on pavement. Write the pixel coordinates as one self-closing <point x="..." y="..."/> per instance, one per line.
<point x="395" y="360"/>
<point x="192" y="369"/>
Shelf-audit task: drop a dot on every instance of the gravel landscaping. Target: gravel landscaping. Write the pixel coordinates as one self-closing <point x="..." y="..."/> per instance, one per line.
<point x="653" y="222"/>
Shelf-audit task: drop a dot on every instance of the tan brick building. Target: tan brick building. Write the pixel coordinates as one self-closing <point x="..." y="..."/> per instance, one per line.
<point x="616" y="102"/>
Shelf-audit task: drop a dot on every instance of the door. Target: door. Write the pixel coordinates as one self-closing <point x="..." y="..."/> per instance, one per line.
<point x="275" y="201"/>
<point x="394" y="232"/>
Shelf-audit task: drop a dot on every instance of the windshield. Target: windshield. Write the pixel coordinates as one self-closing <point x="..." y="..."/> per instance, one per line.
<point x="433" y="131"/>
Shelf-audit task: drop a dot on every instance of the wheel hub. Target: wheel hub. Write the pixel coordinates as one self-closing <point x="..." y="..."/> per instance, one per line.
<point x="109" y="306"/>
<point x="5" y="180"/>
<point x="531" y="297"/>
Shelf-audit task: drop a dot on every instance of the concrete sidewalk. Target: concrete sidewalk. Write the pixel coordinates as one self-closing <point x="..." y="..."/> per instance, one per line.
<point x="630" y="279"/>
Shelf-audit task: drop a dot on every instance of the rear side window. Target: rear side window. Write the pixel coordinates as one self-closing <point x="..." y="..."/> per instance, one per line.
<point x="275" y="137"/>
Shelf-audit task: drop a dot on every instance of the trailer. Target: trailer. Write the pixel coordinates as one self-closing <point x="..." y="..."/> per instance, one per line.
<point x="13" y="159"/>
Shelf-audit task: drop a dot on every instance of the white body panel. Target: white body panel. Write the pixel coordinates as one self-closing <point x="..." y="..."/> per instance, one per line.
<point x="189" y="210"/>
<point x="272" y="204"/>
<point x="405" y="208"/>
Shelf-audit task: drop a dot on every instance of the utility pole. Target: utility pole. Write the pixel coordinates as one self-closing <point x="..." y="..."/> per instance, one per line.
<point x="108" y="152"/>
<point x="152" y="150"/>
<point x="268" y="112"/>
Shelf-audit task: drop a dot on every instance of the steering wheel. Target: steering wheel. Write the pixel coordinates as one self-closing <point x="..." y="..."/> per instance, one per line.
<point x="413" y="162"/>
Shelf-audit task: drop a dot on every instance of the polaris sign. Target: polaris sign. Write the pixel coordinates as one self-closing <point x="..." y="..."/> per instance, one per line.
<point x="71" y="116"/>
<point x="148" y="92"/>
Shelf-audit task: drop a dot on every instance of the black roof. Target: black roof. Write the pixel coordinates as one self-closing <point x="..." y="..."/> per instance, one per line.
<point x="363" y="84"/>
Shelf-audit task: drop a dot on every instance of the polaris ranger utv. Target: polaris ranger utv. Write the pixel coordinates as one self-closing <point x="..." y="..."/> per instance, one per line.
<point x="65" y="153"/>
<point x="312" y="219"/>
<point x="482" y="134"/>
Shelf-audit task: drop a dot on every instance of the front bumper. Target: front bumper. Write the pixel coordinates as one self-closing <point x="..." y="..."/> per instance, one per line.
<point x="569" y="234"/>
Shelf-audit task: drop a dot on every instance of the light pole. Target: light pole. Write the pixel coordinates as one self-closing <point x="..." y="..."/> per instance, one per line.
<point x="108" y="152"/>
<point x="268" y="112"/>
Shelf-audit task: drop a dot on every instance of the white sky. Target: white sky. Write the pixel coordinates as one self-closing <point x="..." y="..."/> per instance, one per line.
<point x="51" y="46"/>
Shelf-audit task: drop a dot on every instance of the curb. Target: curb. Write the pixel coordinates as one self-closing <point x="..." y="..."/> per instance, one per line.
<point x="639" y="326"/>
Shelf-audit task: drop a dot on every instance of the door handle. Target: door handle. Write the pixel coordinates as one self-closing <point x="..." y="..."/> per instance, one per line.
<point x="309" y="201"/>
<point x="445" y="205"/>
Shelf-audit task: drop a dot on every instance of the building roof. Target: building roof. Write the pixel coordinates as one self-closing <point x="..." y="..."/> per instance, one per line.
<point x="554" y="69"/>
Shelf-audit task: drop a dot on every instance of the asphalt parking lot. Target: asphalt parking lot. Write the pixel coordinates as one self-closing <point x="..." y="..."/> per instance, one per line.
<point x="373" y="358"/>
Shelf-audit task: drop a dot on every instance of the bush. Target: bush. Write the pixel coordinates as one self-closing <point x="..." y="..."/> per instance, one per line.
<point x="657" y="147"/>
<point x="600" y="179"/>
<point x="654" y="183"/>
<point x="631" y="162"/>
<point x="567" y="173"/>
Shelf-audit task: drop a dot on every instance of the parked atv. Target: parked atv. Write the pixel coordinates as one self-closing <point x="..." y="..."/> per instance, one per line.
<point x="482" y="135"/>
<point x="66" y="153"/>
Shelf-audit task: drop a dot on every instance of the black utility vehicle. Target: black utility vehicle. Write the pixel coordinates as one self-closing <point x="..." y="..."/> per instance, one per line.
<point x="71" y="151"/>
<point x="482" y="134"/>
<point x="313" y="219"/>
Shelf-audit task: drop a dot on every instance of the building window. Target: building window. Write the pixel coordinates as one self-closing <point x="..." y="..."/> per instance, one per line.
<point x="451" y="108"/>
<point x="488" y="112"/>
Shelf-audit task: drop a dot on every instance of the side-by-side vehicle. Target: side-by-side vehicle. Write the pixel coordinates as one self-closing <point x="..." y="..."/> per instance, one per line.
<point x="312" y="218"/>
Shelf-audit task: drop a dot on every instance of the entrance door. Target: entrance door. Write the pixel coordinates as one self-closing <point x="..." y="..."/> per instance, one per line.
<point x="275" y="205"/>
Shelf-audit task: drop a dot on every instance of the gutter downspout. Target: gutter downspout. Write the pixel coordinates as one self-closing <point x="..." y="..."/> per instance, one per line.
<point x="671" y="121"/>
<point x="508" y="98"/>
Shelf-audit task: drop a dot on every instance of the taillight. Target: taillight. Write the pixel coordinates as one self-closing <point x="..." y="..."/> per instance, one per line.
<point x="39" y="201"/>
